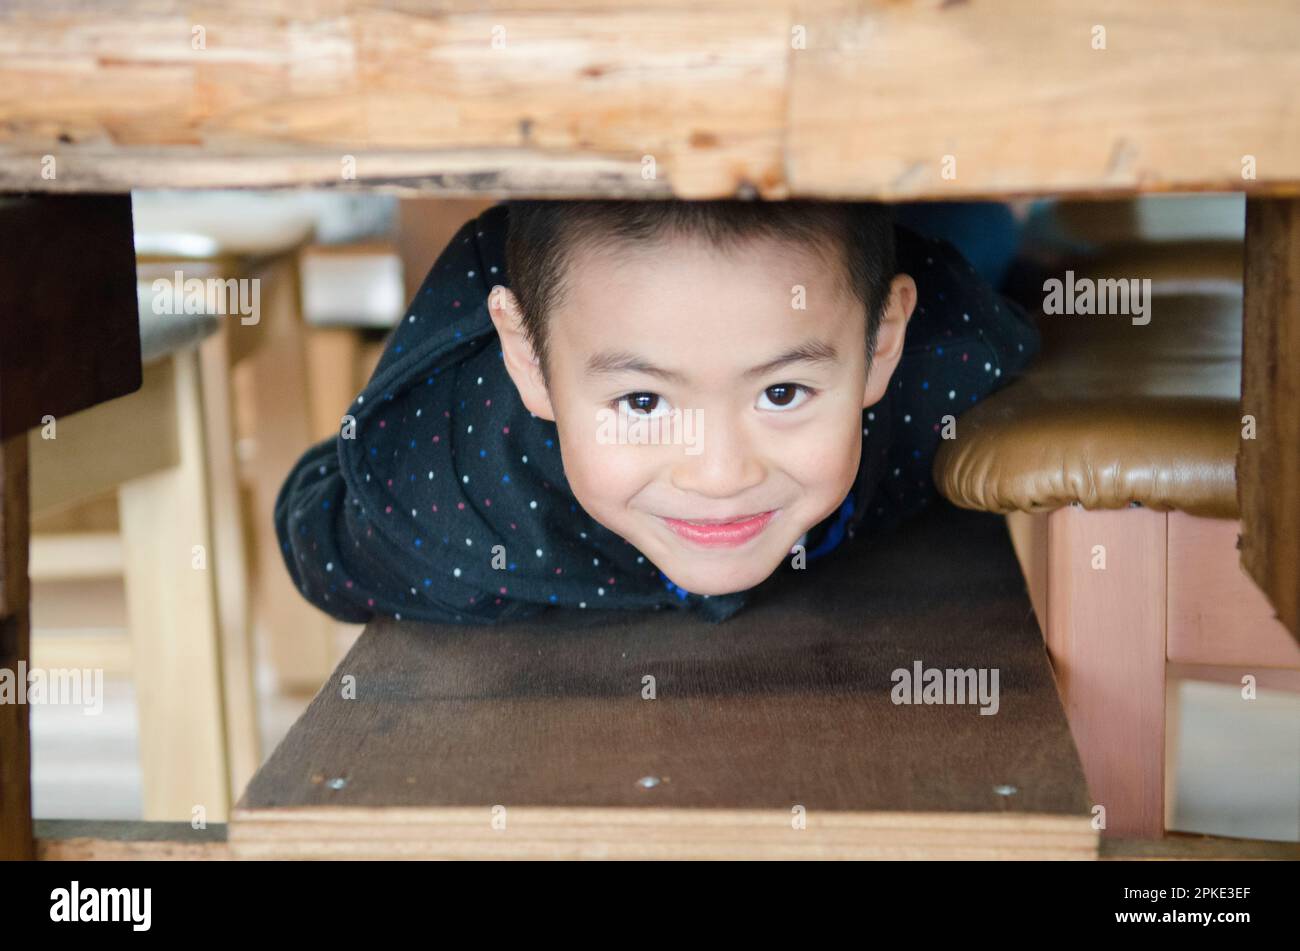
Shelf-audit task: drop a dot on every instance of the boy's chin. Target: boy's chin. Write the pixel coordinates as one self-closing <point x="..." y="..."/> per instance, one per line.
<point x="718" y="583"/>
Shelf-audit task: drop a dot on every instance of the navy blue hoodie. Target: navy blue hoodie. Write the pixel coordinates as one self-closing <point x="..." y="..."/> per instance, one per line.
<point x="444" y="499"/>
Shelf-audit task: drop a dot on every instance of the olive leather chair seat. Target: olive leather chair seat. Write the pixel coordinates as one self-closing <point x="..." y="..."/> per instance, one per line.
<point x="1113" y="413"/>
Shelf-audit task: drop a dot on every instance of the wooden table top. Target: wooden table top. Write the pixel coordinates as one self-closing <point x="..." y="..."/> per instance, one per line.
<point x="712" y="98"/>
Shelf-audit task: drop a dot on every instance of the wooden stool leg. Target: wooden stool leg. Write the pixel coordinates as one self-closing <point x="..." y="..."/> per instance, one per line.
<point x="333" y="354"/>
<point x="229" y="564"/>
<point x="1106" y="638"/>
<point x="172" y="613"/>
<point x="15" y="649"/>
<point x="299" y="637"/>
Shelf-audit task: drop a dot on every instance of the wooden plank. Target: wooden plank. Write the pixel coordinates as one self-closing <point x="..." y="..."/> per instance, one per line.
<point x="69" y="327"/>
<point x="75" y="555"/>
<point x="1266" y="678"/>
<point x="779" y="98"/>
<point x="951" y="100"/>
<point x="1268" y="466"/>
<point x="109" y="651"/>
<point x="172" y="616"/>
<point x="228" y="562"/>
<point x="15" y="648"/>
<point x="547" y="97"/>
<point x="99" y="448"/>
<point x="99" y="840"/>
<point x="1217" y="615"/>
<point x="1106" y="636"/>
<point x="299" y="638"/>
<point x="94" y="515"/>
<point x="1177" y="846"/>
<point x="786" y="705"/>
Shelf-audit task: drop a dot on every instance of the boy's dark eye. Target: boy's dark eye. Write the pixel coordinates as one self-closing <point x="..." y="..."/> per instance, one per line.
<point x="785" y="396"/>
<point x="642" y="403"/>
<point x="781" y="394"/>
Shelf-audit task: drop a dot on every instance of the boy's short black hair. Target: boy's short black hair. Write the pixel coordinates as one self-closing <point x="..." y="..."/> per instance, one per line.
<point x="542" y="234"/>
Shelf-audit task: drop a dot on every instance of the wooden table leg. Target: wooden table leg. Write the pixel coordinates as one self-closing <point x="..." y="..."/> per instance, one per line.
<point x="1268" y="466"/>
<point x="69" y="338"/>
<point x="15" y="650"/>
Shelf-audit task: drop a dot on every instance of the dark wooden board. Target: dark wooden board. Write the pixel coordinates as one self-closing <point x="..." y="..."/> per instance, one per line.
<point x="15" y="647"/>
<point x="97" y="840"/>
<point x="787" y="704"/>
<point x="70" y="324"/>
<point x="1268" y="466"/>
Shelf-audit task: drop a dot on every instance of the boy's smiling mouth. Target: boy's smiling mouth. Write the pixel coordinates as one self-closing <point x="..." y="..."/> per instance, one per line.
<point x="721" y="533"/>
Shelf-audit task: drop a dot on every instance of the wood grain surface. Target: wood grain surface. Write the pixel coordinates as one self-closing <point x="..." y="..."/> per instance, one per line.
<point x="1268" y="466"/>
<point x="782" y="98"/>
<point x="786" y="705"/>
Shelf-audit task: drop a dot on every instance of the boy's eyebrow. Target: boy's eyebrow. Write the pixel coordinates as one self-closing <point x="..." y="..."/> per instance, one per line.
<point x="619" y="361"/>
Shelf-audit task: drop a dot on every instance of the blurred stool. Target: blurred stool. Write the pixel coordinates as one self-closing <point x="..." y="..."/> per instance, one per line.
<point x="1120" y="444"/>
<point x="261" y="236"/>
<point x="166" y="450"/>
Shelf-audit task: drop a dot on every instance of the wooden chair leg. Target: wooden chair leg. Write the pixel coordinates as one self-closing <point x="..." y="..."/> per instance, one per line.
<point x="229" y="564"/>
<point x="300" y="639"/>
<point x="172" y="613"/>
<point x="332" y="357"/>
<point x="15" y="648"/>
<point x="1106" y="606"/>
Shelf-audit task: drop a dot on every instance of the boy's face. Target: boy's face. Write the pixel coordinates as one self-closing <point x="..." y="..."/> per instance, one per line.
<point x="682" y="341"/>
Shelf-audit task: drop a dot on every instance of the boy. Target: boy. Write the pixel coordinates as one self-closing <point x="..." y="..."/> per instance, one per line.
<point x="477" y="477"/>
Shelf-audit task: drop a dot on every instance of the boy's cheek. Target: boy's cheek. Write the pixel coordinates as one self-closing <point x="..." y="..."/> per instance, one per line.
<point x="595" y="470"/>
<point x="828" y="452"/>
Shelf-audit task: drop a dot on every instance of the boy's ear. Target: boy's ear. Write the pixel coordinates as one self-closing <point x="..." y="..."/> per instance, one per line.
<point x="889" y="338"/>
<point x="521" y="362"/>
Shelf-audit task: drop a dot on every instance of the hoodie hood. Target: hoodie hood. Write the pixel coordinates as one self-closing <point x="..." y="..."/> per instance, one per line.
<point x="444" y="499"/>
<point x="450" y="501"/>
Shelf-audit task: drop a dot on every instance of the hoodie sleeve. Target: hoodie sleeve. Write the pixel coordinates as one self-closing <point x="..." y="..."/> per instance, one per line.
<point x="339" y="547"/>
<point x="964" y="342"/>
<point x="314" y="536"/>
<point x="336" y="556"/>
<point x="331" y="551"/>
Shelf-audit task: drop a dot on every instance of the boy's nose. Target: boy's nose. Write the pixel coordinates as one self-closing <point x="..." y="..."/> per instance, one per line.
<point x="725" y="467"/>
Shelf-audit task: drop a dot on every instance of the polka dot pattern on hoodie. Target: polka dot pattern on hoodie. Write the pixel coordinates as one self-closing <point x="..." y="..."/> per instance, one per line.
<point x="443" y="499"/>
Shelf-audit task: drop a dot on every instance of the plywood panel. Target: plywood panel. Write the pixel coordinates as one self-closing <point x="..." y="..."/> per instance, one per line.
<point x="78" y="840"/>
<point x="786" y="705"/>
